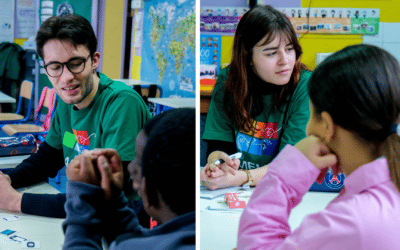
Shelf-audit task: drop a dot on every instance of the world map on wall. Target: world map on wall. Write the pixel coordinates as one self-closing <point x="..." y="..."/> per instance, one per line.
<point x="168" y="47"/>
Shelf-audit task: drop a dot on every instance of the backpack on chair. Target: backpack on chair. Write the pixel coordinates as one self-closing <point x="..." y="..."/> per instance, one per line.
<point x="151" y="90"/>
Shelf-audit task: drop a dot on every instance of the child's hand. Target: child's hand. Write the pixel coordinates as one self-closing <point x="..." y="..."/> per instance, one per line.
<point x="82" y="169"/>
<point x="317" y="152"/>
<point x="112" y="175"/>
<point x="108" y="174"/>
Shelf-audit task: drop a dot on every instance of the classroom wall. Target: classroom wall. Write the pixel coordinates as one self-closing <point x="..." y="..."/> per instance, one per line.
<point x="387" y="38"/>
<point x="135" y="59"/>
<point x="113" y="38"/>
<point x="227" y="3"/>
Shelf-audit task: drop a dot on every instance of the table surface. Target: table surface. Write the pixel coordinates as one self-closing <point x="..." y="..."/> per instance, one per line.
<point x="175" y="102"/>
<point x="11" y="161"/>
<point x="131" y="82"/>
<point x="218" y="229"/>
<point x="47" y="231"/>
<point x="6" y="99"/>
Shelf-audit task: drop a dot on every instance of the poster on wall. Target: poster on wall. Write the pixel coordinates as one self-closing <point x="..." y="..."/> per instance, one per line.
<point x="6" y="21"/>
<point x="220" y="19"/>
<point x="334" y="20"/>
<point x="168" y="47"/>
<point x="25" y="25"/>
<point x="210" y="50"/>
<point x="138" y="32"/>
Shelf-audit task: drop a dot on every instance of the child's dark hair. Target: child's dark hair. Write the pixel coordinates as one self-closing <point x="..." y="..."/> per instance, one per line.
<point x="359" y="86"/>
<point x="169" y="159"/>
<point x="72" y="28"/>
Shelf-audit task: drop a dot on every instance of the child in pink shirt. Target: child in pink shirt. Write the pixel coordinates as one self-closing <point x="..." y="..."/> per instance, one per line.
<point x="353" y="128"/>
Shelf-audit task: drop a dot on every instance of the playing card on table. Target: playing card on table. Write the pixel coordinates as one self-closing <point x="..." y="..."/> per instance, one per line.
<point x="10" y="218"/>
<point x="31" y="244"/>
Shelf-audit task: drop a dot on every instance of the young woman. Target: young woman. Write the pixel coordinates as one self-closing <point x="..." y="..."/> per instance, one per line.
<point x="259" y="103"/>
<point x="353" y="128"/>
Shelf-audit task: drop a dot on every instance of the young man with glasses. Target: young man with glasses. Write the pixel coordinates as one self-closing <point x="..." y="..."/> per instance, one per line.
<point x="94" y="112"/>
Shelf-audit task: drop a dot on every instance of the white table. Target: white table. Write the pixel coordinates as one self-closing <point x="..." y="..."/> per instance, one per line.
<point x="175" y="102"/>
<point x="218" y="229"/>
<point x="6" y="99"/>
<point x="48" y="231"/>
<point x="11" y="161"/>
<point x="131" y="82"/>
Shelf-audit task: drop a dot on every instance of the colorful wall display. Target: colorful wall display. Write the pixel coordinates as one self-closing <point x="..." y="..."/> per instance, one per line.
<point x="334" y="20"/>
<point x="210" y="50"/>
<point x="168" y="46"/>
<point x="220" y="19"/>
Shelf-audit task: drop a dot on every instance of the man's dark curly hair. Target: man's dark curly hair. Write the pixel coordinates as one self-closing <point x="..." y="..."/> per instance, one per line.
<point x="169" y="159"/>
<point x="72" y="28"/>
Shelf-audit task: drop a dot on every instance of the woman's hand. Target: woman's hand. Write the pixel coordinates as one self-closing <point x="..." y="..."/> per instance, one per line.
<point x="229" y="165"/>
<point x="319" y="155"/>
<point x="221" y="179"/>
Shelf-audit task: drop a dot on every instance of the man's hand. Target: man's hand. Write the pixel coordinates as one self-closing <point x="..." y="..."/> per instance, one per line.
<point x="7" y="177"/>
<point x="10" y="199"/>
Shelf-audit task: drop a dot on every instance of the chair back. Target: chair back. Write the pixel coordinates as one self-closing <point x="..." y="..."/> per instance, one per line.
<point x="26" y="89"/>
<point x="149" y="91"/>
<point x="26" y="92"/>
<point x="48" y="100"/>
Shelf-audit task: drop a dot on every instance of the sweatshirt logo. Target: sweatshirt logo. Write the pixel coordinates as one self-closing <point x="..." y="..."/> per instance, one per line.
<point x="334" y="181"/>
<point x="262" y="142"/>
<point x="79" y="140"/>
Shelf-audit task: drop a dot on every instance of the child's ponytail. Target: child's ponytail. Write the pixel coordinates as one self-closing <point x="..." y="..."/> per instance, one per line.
<point x="391" y="148"/>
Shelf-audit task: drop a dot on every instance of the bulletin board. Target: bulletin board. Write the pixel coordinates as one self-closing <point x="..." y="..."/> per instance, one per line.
<point x="210" y="50"/>
<point x="325" y="43"/>
<point x="320" y="43"/>
<point x="389" y="9"/>
<point x="333" y="20"/>
<point x="220" y="19"/>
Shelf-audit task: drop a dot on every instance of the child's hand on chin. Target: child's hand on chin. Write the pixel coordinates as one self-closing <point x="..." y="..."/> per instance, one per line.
<point x="318" y="153"/>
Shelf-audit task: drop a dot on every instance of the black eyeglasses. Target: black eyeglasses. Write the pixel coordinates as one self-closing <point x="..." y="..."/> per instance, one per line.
<point x="75" y="66"/>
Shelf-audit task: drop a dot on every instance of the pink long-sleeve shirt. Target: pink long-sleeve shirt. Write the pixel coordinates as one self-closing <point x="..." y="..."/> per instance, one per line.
<point x="365" y="215"/>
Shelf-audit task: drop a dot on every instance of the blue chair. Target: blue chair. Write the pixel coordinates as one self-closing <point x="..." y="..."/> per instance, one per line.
<point x="37" y="129"/>
<point x="26" y="93"/>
